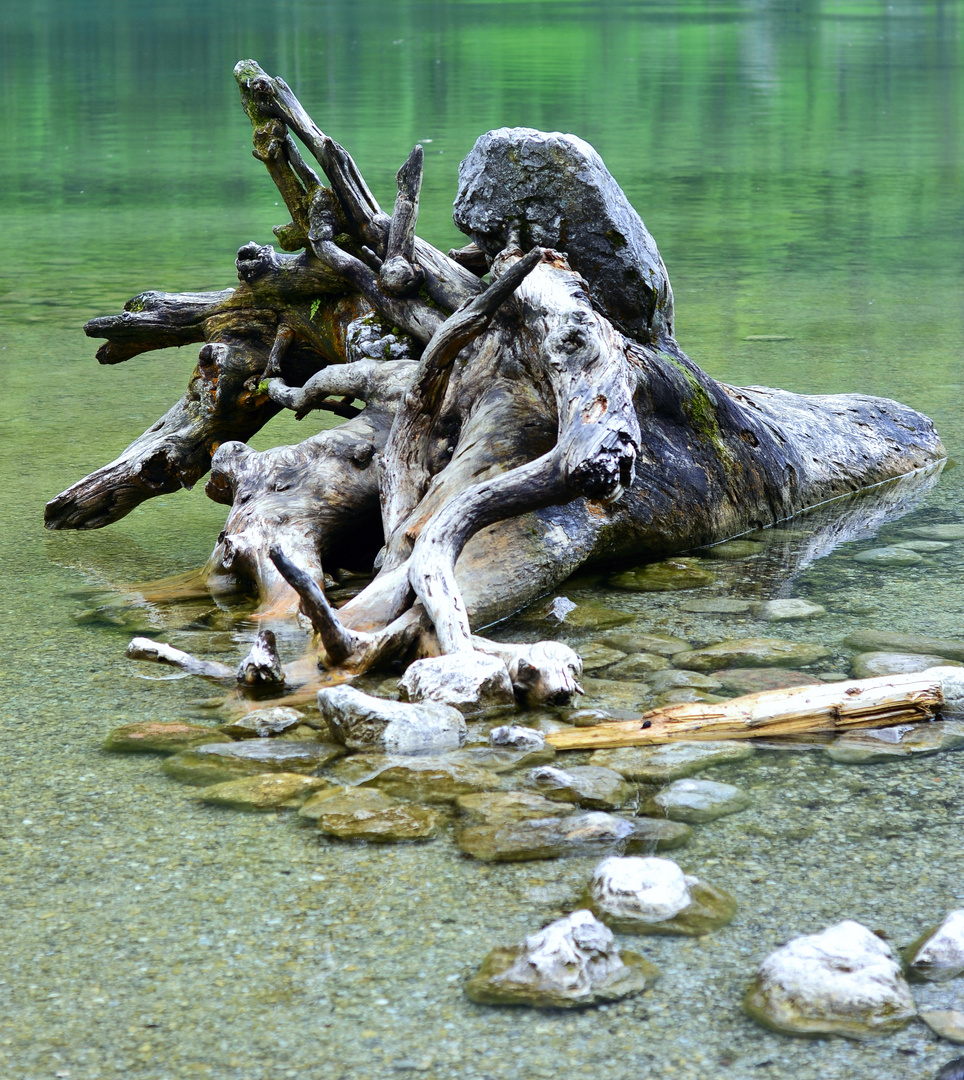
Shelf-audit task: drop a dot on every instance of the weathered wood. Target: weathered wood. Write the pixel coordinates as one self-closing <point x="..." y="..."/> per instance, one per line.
<point x="262" y="667"/>
<point x="828" y="707"/>
<point x="561" y="427"/>
<point x="160" y="652"/>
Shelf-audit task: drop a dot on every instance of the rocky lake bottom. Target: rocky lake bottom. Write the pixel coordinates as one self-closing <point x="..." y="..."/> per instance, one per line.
<point x="327" y="958"/>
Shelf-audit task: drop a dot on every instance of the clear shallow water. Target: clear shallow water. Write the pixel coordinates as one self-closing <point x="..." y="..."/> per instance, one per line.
<point x="801" y="172"/>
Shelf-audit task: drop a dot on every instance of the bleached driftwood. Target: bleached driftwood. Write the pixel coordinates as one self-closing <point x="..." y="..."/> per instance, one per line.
<point x="799" y="710"/>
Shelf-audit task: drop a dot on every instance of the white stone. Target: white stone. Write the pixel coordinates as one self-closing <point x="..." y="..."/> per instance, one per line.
<point x="699" y="801"/>
<point x="363" y="722"/>
<point x="941" y="957"/>
<point x="517" y="737"/>
<point x="952" y="686"/>
<point x="567" y="956"/>
<point x="843" y="981"/>
<point x="469" y="681"/>
<point x="651" y="890"/>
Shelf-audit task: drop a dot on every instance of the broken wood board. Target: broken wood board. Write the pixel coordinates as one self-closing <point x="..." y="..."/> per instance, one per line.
<point x="828" y="707"/>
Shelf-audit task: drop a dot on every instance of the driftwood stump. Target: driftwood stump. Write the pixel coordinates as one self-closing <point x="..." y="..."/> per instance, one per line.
<point x="514" y="410"/>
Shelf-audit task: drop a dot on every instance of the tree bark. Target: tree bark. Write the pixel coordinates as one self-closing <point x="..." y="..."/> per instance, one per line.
<point x="499" y="433"/>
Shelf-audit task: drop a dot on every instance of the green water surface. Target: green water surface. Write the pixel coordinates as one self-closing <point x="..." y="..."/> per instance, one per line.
<point x="799" y="164"/>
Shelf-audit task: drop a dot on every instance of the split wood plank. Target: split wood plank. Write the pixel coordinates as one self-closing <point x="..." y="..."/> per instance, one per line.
<point x="828" y="707"/>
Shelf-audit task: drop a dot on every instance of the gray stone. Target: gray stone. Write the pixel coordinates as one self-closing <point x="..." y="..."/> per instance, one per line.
<point x="669" y="761"/>
<point x="751" y="680"/>
<point x="556" y="188"/>
<point x="368" y="814"/>
<point x="674" y="679"/>
<point x="751" y="652"/>
<point x="589" y="717"/>
<point x="669" y="576"/>
<point x="653" y="896"/>
<point x="363" y="722"/>
<point x="789" y="610"/>
<point x="263" y="723"/>
<point x="594" y="833"/>
<point x="871" y="664"/>
<point x="586" y="615"/>
<point x="939" y="532"/>
<point x="559" y="609"/>
<point x="617" y="694"/>
<point x="887" y="556"/>
<point x="938" y="954"/>
<point x="504" y="759"/>
<point x="870" y="746"/>
<point x="697" y="801"/>
<point x="637" y="667"/>
<point x="947" y="1023"/>
<point x="468" y="681"/>
<point x="517" y="737"/>
<point x="717" y="605"/>
<point x="843" y="981"/>
<point x="888" y="641"/>
<point x="661" y="644"/>
<point x="571" y="963"/>
<point x="588" y="785"/>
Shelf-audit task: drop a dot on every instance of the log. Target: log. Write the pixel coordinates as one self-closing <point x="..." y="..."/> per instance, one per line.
<point x="801" y="710"/>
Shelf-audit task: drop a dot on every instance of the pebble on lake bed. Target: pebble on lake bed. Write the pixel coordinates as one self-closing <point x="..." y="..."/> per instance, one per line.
<point x="653" y="896"/>
<point x="842" y="981"/>
<point x="887" y="556"/>
<point x="572" y="963"/>
<point x="154" y="737"/>
<point x="938" y="954"/>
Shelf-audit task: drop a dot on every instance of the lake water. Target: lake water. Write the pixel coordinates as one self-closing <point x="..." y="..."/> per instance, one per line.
<point x="799" y="165"/>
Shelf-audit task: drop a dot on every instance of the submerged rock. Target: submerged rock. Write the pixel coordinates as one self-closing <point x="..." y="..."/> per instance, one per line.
<point x="638" y="667"/>
<point x="571" y="963"/>
<point x="368" y="814"/>
<point x="617" y="694"/>
<point x="498" y="807"/>
<point x="431" y="780"/>
<point x="674" y="679"/>
<point x="925" y="547"/>
<point x="653" y="896"/>
<point x="587" y="615"/>
<point x="686" y="694"/>
<point x="869" y="665"/>
<point x="870" y="746"/>
<point x="717" y="605"/>
<point x="843" y="981"/>
<point x="938" y="954"/>
<point x="751" y="652"/>
<point x="217" y="762"/>
<point x="697" y="801"/>
<point x="363" y="722"/>
<point x="266" y="791"/>
<point x="671" y="575"/>
<point x="588" y="785"/>
<point x="154" y="737"/>
<point x="503" y="759"/>
<point x="752" y="680"/>
<point x="669" y="761"/>
<point x="788" y="610"/>
<point x="596" y="657"/>
<point x="264" y="723"/>
<point x="734" y="549"/>
<point x="558" y="837"/>
<point x="951" y="531"/>
<point x="886" y="641"/>
<point x="887" y="556"/>
<point x="468" y="681"/>
<point x="661" y="644"/>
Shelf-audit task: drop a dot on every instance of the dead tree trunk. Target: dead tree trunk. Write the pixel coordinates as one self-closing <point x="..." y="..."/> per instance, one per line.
<point x="508" y="431"/>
